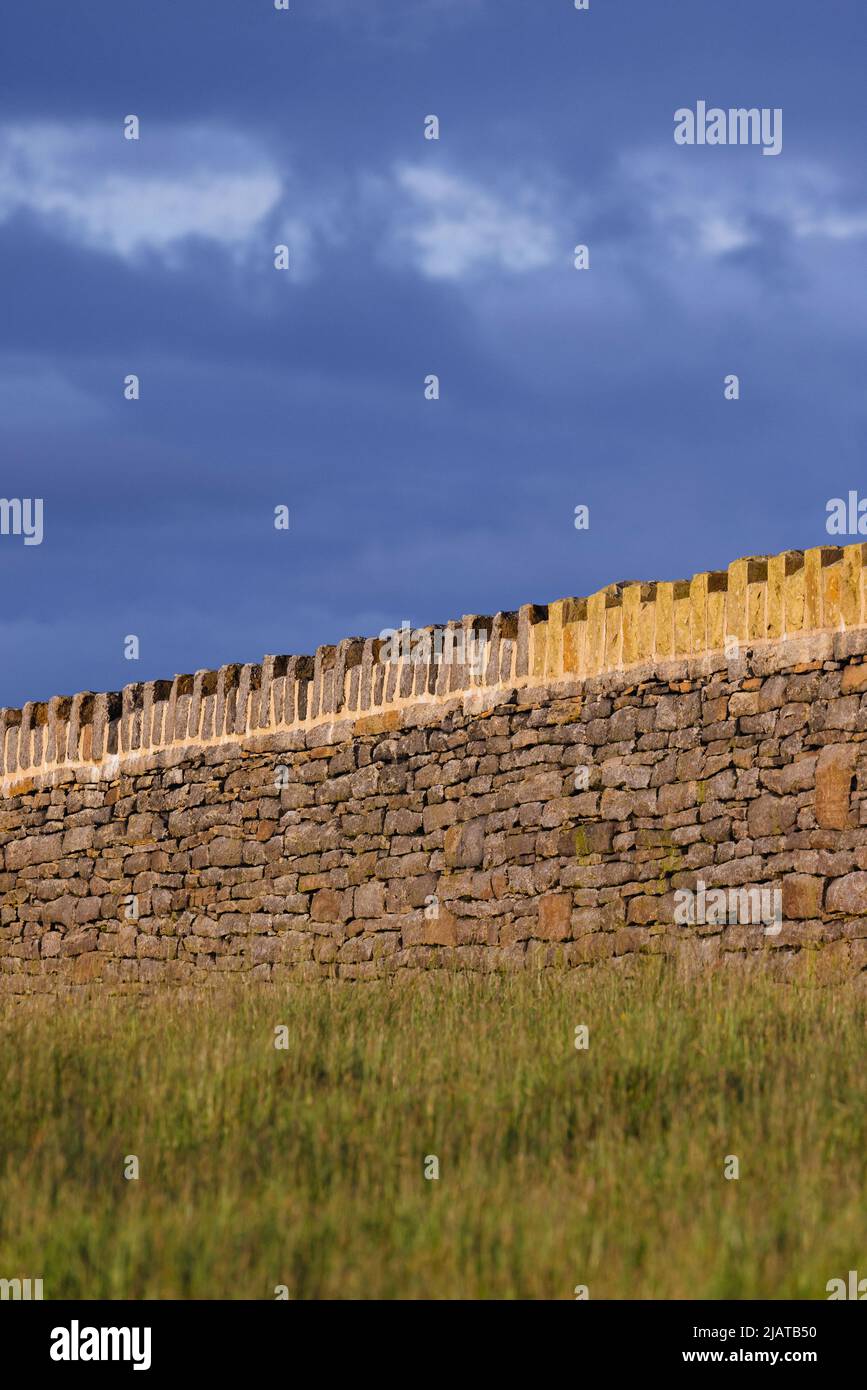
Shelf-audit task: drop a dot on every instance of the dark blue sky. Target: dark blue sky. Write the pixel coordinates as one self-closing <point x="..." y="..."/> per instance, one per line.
<point x="410" y="257"/>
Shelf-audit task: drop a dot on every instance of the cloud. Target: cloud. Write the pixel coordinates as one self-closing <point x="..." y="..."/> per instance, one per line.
<point x="650" y="214"/>
<point x="700" y="209"/>
<point x="651" y="211"/>
<point x="126" y="198"/>
<point x="452" y="227"/>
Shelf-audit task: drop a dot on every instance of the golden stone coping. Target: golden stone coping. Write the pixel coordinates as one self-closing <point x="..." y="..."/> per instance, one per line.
<point x="757" y="599"/>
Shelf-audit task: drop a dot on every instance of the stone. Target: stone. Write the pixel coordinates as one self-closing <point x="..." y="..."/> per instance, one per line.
<point x="848" y="894"/>
<point x="835" y="771"/>
<point x="555" y="911"/>
<point x="771" y="815"/>
<point x="465" y="845"/>
<point x="369" y="900"/>
<point x="802" y="896"/>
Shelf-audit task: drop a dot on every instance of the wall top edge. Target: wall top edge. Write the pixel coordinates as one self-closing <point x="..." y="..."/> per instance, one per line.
<point x="756" y="598"/>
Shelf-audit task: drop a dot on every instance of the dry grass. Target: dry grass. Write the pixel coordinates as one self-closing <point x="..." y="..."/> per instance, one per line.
<point x="558" y="1167"/>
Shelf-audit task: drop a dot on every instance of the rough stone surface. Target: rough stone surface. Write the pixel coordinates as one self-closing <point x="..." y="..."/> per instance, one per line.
<point x="552" y="827"/>
<point x="347" y="816"/>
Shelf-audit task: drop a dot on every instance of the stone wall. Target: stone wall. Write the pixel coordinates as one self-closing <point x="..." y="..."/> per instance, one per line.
<point x="344" y="816"/>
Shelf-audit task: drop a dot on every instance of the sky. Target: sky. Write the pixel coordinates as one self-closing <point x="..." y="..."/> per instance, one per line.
<point x="304" y="388"/>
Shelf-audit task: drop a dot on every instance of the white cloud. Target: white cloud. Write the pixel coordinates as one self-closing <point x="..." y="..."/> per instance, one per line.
<point x="149" y="198"/>
<point x="833" y="226"/>
<point x="711" y="211"/>
<point x="453" y="227"/>
<point x="127" y="197"/>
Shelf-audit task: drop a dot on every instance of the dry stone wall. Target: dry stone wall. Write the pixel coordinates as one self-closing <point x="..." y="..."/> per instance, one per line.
<point x="673" y="769"/>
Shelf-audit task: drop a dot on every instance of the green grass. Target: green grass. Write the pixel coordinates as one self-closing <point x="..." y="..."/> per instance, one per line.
<point x="558" y="1167"/>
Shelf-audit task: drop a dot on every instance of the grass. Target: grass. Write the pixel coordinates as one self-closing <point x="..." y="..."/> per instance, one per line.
<point x="304" y="1167"/>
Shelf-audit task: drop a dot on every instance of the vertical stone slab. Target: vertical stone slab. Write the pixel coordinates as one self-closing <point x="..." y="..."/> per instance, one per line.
<point x="664" y="638"/>
<point x="423" y="651"/>
<point x="159" y="712"/>
<point x="86" y="713"/>
<point x="13" y="724"/>
<point x="406" y="673"/>
<point x="717" y="588"/>
<point x="39" y="744"/>
<point x="113" y="703"/>
<point x="449" y="658"/>
<point x="247" y="697"/>
<point x="131" y="702"/>
<point x="554" y="645"/>
<point x="508" y="637"/>
<point x="613" y="652"/>
<point x="147" y="714"/>
<point x="391" y="675"/>
<point x="492" y="671"/>
<point x="538" y="641"/>
<point x="369" y="657"/>
<point x="794" y="585"/>
<point x="632" y="616"/>
<point x="595" y="640"/>
<point x="303" y="672"/>
<point x="736" y="600"/>
<point x="458" y="669"/>
<point x="436" y="661"/>
<point x="224" y="709"/>
<point x="58" y="719"/>
<point x="681" y="602"/>
<point x="380" y="671"/>
<point x="776" y="589"/>
<point x="194" y="722"/>
<point x="815" y="560"/>
<point x="99" y="736"/>
<point x="289" y="712"/>
<point x="273" y="700"/>
<point x="207" y="695"/>
<point x="476" y="629"/>
<point x="574" y="628"/>
<point x="260" y="713"/>
<point x="79" y="703"/>
<point x="348" y="658"/>
<point x="336" y="695"/>
<point x="25" y="751"/>
<point x="529" y="616"/>
<point x="698" y="627"/>
<point x="171" y="709"/>
<point x="757" y="599"/>
<point x="323" y="663"/>
<point x="182" y="690"/>
<point x="832" y="591"/>
<point x="852" y="609"/>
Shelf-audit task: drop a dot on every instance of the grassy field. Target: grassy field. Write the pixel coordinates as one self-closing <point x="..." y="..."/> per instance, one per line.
<point x="305" y="1166"/>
